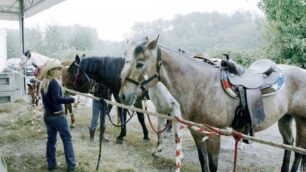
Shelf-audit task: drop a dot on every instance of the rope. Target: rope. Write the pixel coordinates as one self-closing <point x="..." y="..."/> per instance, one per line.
<point x="101" y="138"/>
<point x="156" y="131"/>
<point x="150" y="122"/>
<point x="237" y="136"/>
<point x="122" y="124"/>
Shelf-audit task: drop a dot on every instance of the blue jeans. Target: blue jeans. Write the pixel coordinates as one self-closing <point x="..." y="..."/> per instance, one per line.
<point x="59" y="124"/>
<point x="97" y="108"/>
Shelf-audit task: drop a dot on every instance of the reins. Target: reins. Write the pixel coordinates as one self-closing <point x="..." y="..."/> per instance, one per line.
<point x="151" y="124"/>
<point x="75" y="79"/>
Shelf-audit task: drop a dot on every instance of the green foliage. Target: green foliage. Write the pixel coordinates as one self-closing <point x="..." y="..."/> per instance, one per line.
<point x="285" y="31"/>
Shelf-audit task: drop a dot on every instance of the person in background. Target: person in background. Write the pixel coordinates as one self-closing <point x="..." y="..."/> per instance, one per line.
<point x="98" y="108"/>
<point x="54" y="116"/>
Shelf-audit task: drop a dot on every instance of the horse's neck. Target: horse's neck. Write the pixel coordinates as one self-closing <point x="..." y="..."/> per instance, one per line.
<point x="185" y="78"/>
<point x="38" y="59"/>
<point x="161" y="97"/>
<point x="113" y="83"/>
<point x="184" y="72"/>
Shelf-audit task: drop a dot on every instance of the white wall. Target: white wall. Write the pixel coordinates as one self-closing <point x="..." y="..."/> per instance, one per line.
<point x="3" y="51"/>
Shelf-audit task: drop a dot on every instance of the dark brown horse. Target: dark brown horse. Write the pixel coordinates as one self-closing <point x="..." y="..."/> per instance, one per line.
<point x="107" y="71"/>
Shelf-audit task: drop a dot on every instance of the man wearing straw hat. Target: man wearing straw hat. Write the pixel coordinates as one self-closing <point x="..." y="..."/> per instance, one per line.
<point x="54" y="116"/>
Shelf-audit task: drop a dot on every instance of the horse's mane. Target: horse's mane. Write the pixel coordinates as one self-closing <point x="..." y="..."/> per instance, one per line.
<point x="185" y="55"/>
<point x="106" y="67"/>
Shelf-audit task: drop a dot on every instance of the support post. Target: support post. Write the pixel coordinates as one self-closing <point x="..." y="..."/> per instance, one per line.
<point x="21" y="31"/>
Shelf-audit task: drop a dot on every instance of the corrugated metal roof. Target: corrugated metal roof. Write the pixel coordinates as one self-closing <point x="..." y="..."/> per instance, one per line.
<point x="9" y="9"/>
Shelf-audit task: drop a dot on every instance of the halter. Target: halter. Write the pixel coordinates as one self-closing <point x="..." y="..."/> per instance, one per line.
<point x="156" y="75"/>
<point x="76" y="77"/>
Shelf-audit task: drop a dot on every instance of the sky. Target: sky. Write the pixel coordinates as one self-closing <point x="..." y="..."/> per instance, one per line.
<point x="114" y="19"/>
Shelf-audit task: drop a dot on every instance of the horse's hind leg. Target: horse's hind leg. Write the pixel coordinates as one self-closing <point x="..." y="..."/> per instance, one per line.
<point x="141" y="119"/>
<point x="300" y="142"/>
<point x="284" y="126"/>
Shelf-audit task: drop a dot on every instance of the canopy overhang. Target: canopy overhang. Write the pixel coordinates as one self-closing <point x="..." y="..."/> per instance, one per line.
<point x="13" y="9"/>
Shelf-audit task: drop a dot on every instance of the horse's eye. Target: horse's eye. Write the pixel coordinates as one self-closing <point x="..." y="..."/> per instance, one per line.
<point x="139" y="65"/>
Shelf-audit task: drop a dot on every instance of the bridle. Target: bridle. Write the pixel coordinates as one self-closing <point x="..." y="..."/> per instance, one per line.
<point x="76" y="77"/>
<point x="156" y="75"/>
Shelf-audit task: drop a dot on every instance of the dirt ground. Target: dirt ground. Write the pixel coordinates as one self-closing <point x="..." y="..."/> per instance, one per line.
<point x="23" y="147"/>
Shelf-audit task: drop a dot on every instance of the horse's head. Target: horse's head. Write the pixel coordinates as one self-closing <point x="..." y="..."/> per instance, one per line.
<point x="76" y="78"/>
<point x="26" y="59"/>
<point x="141" y="70"/>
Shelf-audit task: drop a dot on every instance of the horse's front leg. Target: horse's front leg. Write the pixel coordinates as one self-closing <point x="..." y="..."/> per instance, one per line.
<point x="123" y="125"/>
<point x="159" y="146"/>
<point x="141" y="119"/>
<point x="176" y="112"/>
<point x="72" y="118"/>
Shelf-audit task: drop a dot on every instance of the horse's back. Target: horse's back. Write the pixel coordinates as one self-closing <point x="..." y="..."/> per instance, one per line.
<point x="295" y="80"/>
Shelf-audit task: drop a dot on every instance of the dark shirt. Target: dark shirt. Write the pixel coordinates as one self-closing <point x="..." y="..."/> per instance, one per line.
<point x="101" y="91"/>
<point x="53" y="99"/>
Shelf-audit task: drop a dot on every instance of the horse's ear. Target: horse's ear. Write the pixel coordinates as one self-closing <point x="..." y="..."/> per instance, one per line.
<point x="77" y="58"/>
<point x="30" y="86"/>
<point x="153" y="43"/>
<point x="28" y="54"/>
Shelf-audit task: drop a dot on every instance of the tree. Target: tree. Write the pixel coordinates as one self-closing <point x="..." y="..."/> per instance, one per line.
<point x="285" y="31"/>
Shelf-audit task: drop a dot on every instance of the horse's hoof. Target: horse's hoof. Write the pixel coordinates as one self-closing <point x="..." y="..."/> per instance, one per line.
<point x="119" y="141"/>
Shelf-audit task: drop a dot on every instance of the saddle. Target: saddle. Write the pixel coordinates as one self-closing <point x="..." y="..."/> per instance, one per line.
<point x="250" y="84"/>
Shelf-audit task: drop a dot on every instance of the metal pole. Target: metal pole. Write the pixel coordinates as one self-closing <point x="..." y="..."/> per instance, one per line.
<point x="21" y="30"/>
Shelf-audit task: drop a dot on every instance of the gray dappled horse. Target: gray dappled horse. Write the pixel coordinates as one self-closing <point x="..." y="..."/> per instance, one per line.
<point x="198" y="89"/>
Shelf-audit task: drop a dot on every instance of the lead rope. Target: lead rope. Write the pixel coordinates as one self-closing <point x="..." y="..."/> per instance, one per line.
<point x="150" y="122"/>
<point x="101" y="132"/>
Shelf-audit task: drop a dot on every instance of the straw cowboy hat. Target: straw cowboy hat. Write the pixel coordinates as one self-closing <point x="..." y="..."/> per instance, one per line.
<point x="201" y="56"/>
<point x="50" y="64"/>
